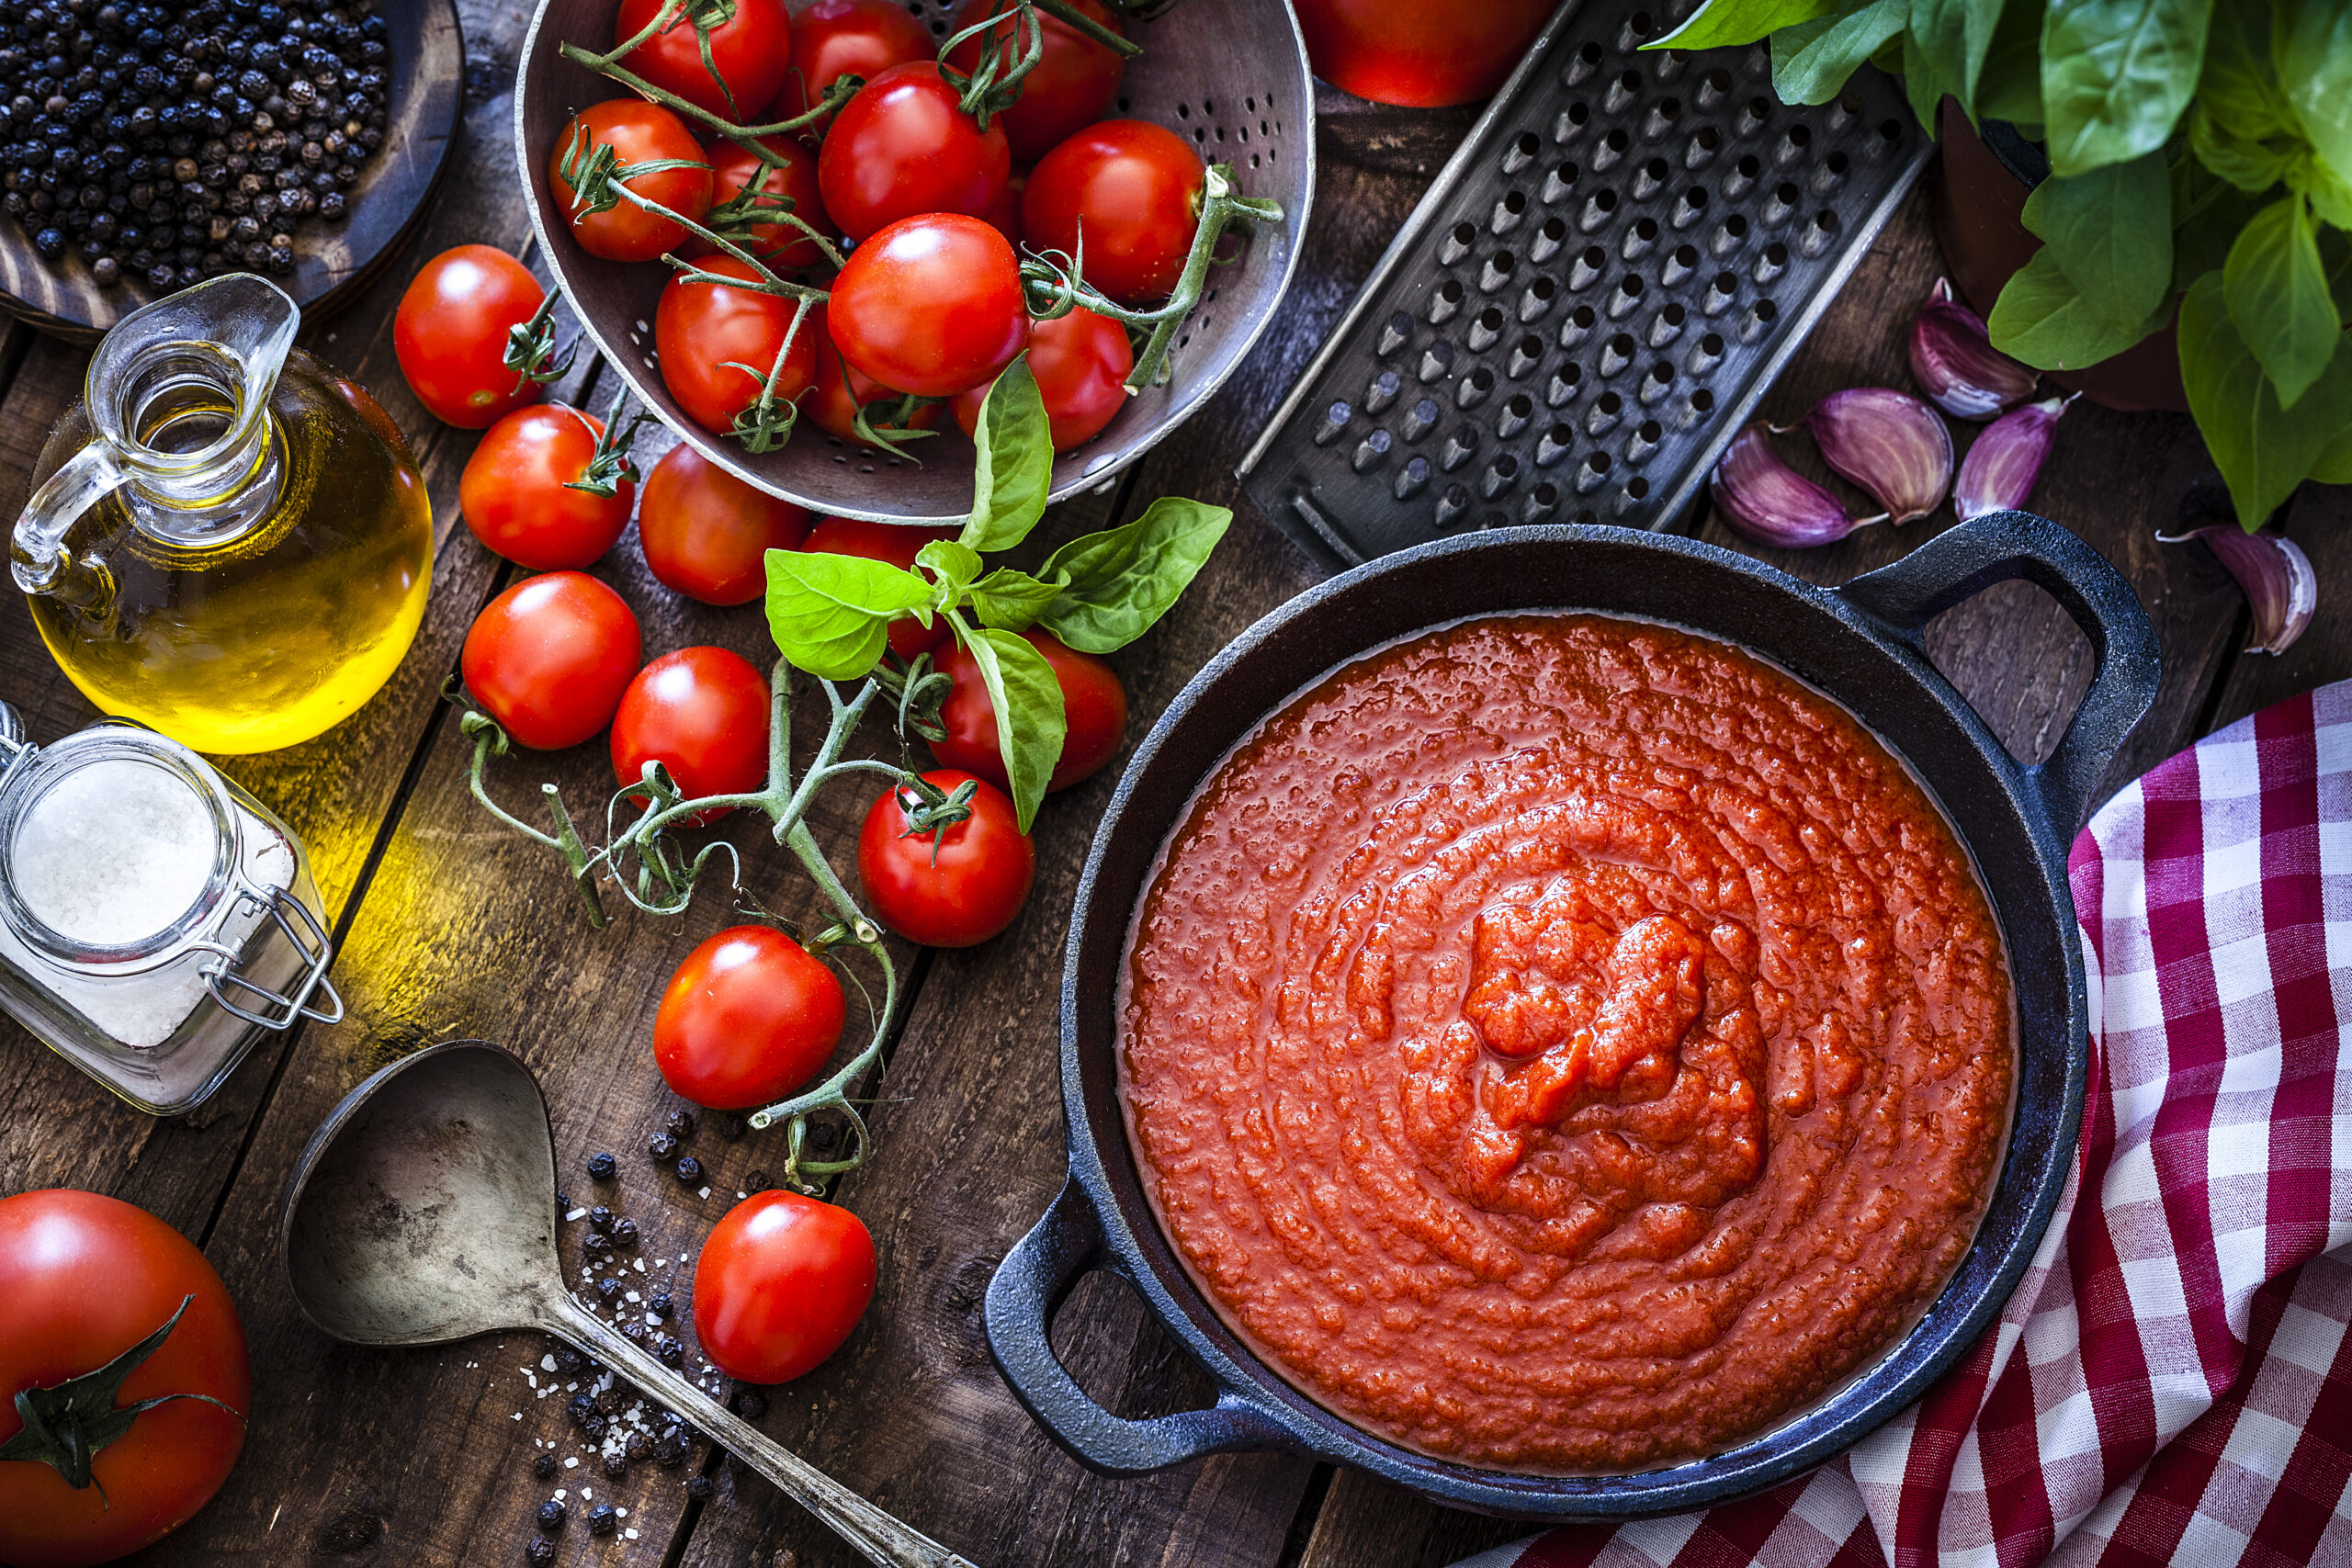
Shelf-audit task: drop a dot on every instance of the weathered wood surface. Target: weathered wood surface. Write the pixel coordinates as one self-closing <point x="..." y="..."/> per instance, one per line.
<point x="450" y="928"/>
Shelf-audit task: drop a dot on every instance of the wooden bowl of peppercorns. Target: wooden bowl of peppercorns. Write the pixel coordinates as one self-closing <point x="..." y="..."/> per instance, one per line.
<point x="146" y="146"/>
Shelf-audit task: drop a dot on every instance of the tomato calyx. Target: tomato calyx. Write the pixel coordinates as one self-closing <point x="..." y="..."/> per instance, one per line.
<point x="610" y="463"/>
<point x="530" y="347"/>
<point x="931" y="810"/>
<point x="65" y="1425"/>
<point x="1009" y="54"/>
<point x="893" y="432"/>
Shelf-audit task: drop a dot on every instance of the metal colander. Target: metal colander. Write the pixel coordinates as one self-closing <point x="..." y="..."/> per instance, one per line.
<point x="1231" y="74"/>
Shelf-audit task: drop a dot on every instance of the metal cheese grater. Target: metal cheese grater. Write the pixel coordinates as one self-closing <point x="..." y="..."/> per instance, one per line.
<point x="1602" y="283"/>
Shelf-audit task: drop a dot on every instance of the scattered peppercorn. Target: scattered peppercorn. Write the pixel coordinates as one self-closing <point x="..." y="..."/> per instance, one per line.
<point x="616" y="1466"/>
<point x="594" y="1429"/>
<point x="824" y="1136"/>
<point x="640" y="1446"/>
<point x="609" y="1290"/>
<point x="690" y="1171"/>
<point x="668" y="1351"/>
<point x="600" y="1218"/>
<point x="562" y="1201"/>
<point x="552" y="1515"/>
<point x="596" y="1246"/>
<point x="698" y="1487"/>
<point x="602" y="1167"/>
<point x="750" y="1404"/>
<point x="663" y="1146"/>
<point x="540" y="1550"/>
<point x="633" y="1331"/>
<point x="601" y="1520"/>
<point x="679" y="1125"/>
<point x="757" y="1181"/>
<point x="658" y="1303"/>
<point x="544" y="1467"/>
<point x="671" y="1451"/>
<point x="582" y="1409"/>
<point x="624" y="1233"/>
<point x="731" y="1126"/>
<point x="609" y="1403"/>
<point x="568" y="1361"/>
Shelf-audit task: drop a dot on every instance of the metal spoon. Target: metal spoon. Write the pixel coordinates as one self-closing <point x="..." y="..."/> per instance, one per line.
<point x="423" y="1211"/>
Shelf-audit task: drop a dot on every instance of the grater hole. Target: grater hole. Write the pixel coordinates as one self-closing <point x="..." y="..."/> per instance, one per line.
<point x="1851" y="101"/>
<point x="1766" y="313"/>
<point x="1889" y="132"/>
<point x="1617" y="140"/>
<point x="1800" y="137"/>
<point x="1703" y="400"/>
<point x="1749" y="166"/>
<point x="1709" y="138"/>
<point x="1597" y="461"/>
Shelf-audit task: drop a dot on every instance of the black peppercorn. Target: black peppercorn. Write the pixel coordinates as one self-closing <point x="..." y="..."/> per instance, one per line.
<point x="601" y="1520"/>
<point x="594" y="1429"/>
<point x="625" y="1233"/>
<point x="633" y="1331"/>
<point x="679" y="1125"/>
<point x="640" y="1446"/>
<point x="659" y="1304"/>
<point x="668" y="1351"/>
<point x="540" y="1550"/>
<point x="600" y="1218"/>
<point x="552" y="1515"/>
<point x="690" y="1171"/>
<point x="698" y="1487"/>
<point x="609" y="1290"/>
<point x="750" y="1404"/>
<point x="581" y="1408"/>
<point x="568" y="1361"/>
<point x="609" y="1403"/>
<point x="758" y="1181"/>
<point x="671" y="1451"/>
<point x="731" y="1126"/>
<point x="544" y="1467"/>
<point x="602" y="1167"/>
<point x="616" y="1466"/>
<point x="661" y="1146"/>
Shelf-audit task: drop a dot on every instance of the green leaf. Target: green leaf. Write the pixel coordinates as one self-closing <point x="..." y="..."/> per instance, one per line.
<point x="2110" y="232"/>
<point x="2334" y="464"/>
<point x="1810" y="60"/>
<point x="1924" y="80"/>
<point x="2010" y="85"/>
<point x="1724" y="22"/>
<point x="1015" y="470"/>
<point x="2209" y="213"/>
<point x="1114" y="584"/>
<point x="956" y="565"/>
<point x="2248" y="164"/>
<point x="2237" y="89"/>
<point x="2043" y="319"/>
<point x="2278" y="295"/>
<point x="1030" y="724"/>
<point x="2262" y="449"/>
<point x="1954" y="37"/>
<point x="2116" y="75"/>
<point x="1011" y="599"/>
<point x="2330" y="195"/>
<point x="2314" y="60"/>
<point x="830" y="615"/>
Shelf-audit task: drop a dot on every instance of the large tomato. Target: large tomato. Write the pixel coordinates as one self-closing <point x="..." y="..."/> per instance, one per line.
<point x="87" y="1279"/>
<point x="1081" y="362"/>
<point x="1071" y="85"/>
<point x="1094" y="710"/>
<point x="904" y="146"/>
<point x="703" y="714"/>
<point x="931" y="305"/>
<point x="1416" y="54"/>
<point x="704" y="333"/>
<point x="707" y="534"/>
<point x="551" y="656"/>
<point x="747" y="1020"/>
<point x="449" y="334"/>
<point x="780" y="245"/>
<point x="638" y="132"/>
<point x="781" y="1282"/>
<point x="846" y="38"/>
<point x="839" y="392"/>
<point x="951" y="886"/>
<point x="750" y="50"/>
<point x="897" y="543"/>
<point x="516" y="490"/>
<point x="1133" y="189"/>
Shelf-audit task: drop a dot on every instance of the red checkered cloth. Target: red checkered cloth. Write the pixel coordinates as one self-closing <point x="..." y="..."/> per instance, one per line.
<point x="2172" y="1382"/>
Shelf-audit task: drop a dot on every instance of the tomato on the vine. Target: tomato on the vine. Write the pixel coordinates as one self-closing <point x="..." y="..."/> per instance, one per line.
<point x="780" y="245"/>
<point x="1135" y="190"/>
<point x="516" y="490"/>
<point x="551" y="656"/>
<point x="1415" y="55"/>
<point x="638" y="132"/>
<point x="1005" y="215"/>
<point x="749" y="50"/>
<point x="707" y="534"/>
<point x="839" y="392"/>
<point x="831" y="38"/>
<point x="449" y="335"/>
<point x="1094" y="709"/>
<point x="1081" y="362"/>
<point x="931" y="305"/>
<point x="704" y="333"/>
<point x="897" y="543"/>
<point x="903" y="147"/>
<point x="781" y="1282"/>
<point x="951" y="886"/>
<point x="1071" y="85"/>
<point x="747" y="1018"/>
<point x="703" y="714"/>
<point x="89" y="1278"/>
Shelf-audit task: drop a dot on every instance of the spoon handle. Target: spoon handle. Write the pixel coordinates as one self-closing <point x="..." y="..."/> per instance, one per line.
<point x="883" y="1539"/>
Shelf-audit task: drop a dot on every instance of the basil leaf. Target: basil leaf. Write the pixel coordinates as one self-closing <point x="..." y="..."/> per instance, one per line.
<point x="2237" y="88"/>
<point x="1924" y="79"/>
<point x="2110" y="232"/>
<point x="2330" y="195"/>
<point x="2315" y="73"/>
<point x="2278" y="295"/>
<point x="830" y="615"/>
<point x="1012" y="598"/>
<point x="1114" y="584"/>
<point x="2009" y="87"/>
<point x="1723" y="22"/>
<point x="956" y="565"/>
<point x="2042" y="319"/>
<point x="1015" y="470"/>
<point x="2263" y="450"/>
<point x="1030" y="724"/>
<point x="2334" y="464"/>
<point x="2248" y="164"/>
<point x="2116" y="75"/>
<point x="1812" y="60"/>
<point x="1952" y="37"/>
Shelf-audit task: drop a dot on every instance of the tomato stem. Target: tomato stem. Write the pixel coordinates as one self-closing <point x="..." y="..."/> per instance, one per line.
<point x="530" y="347"/>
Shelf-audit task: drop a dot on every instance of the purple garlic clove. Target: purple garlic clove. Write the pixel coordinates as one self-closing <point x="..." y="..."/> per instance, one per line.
<point x="1889" y="443"/>
<point x="1998" y="475"/>
<point x="1772" y="503"/>
<point x="2279" y="584"/>
<point x="1953" y="359"/>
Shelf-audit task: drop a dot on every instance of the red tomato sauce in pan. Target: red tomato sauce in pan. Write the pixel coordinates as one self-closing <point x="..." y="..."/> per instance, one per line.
<point x="1566" y="1043"/>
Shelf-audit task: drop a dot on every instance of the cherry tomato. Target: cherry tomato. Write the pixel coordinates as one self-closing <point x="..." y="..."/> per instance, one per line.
<point x="930" y="305"/>
<point x="1005" y="215"/>
<point x="840" y="391"/>
<point x="638" y="132"/>
<point x="747" y="1020"/>
<point x="846" y="38"/>
<point x="88" y="1278"/>
<point x="1071" y="85"/>
<point x="551" y="656"/>
<point x="703" y="331"/>
<point x="780" y="244"/>
<point x="1416" y="54"/>
<point x="516" y="495"/>
<point x="892" y="542"/>
<point x="1094" y="706"/>
<point x="703" y="714"/>
<point x="707" y="534"/>
<point x="903" y="147"/>
<point x="781" y="1282"/>
<point x="1135" y="188"/>
<point x="449" y="335"/>
<point x="952" y="886"/>
<point x="748" y="51"/>
<point x="1081" y="362"/>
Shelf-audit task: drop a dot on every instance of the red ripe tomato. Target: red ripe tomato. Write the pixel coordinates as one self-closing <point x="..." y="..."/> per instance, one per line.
<point x="840" y="391"/>
<point x="551" y="656"/>
<point x="780" y="244"/>
<point x="749" y="51"/>
<point x="1081" y="362"/>
<point x="747" y="1018"/>
<point x="903" y="147"/>
<point x="1094" y="706"/>
<point x="638" y="132"/>
<point x="1071" y="85"/>
<point x="1005" y="215"/>
<point x="702" y="331"/>
<point x="1415" y="55"/>
<point x="88" y="1278"/>
<point x="1135" y="188"/>
<point x="781" y="1282"/>
<point x="892" y="542"/>
<point x="952" y="886"/>
<point x="846" y="38"/>
<point x="449" y="335"/>
<point x="707" y="534"/>
<point x="516" y="495"/>
<point x="930" y="305"/>
<point x="703" y="714"/>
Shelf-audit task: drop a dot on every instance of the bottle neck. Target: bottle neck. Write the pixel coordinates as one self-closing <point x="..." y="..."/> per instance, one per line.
<point x="204" y="459"/>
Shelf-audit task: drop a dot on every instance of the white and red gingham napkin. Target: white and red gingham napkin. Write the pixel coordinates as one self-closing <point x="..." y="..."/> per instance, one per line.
<point x="2172" y="1382"/>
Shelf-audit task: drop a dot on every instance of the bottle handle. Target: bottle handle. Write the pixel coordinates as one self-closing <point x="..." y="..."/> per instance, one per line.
<point x="38" y="560"/>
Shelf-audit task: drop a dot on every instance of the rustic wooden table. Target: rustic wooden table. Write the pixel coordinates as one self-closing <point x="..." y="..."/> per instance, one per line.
<point x="449" y="928"/>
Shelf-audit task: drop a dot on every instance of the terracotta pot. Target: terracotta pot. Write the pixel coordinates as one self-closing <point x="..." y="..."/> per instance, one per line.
<point x="1978" y="191"/>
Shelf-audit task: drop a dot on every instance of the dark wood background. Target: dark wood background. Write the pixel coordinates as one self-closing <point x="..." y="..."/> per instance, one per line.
<point x="449" y="928"/>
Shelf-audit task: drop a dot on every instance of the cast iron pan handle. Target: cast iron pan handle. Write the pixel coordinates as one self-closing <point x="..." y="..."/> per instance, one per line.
<point x="1957" y="563"/>
<point x="1030" y="1281"/>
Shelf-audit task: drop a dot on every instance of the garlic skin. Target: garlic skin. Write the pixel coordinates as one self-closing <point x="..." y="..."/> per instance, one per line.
<point x="1953" y="360"/>
<point x="1889" y="443"/>
<point x="2280" y="586"/>
<point x="1999" y="471"/>
<point x="1772" y="503"/>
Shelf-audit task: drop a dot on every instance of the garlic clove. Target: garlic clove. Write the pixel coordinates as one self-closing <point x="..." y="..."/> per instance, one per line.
<point x="2002" y="463"/>
<point x="2279" y="584"/>
<point x="1953" y="359"/>
<point x="1889" y="443"/>
<point x="1772" y="503"/>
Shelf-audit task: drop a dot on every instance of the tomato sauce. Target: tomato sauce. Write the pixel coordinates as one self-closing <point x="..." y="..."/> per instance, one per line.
<point x="1566" y="1043"/>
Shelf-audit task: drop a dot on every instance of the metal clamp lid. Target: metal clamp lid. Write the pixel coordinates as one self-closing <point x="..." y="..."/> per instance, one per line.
<point x="281" y="1011"/>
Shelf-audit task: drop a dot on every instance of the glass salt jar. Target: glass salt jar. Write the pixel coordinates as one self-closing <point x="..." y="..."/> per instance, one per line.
<point x="155" y="920"/>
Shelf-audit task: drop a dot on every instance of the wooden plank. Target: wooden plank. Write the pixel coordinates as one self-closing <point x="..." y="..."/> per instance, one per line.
<point x="1367" y="1520"/>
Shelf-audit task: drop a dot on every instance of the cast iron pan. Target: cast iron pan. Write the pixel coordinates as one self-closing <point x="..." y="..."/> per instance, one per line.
<point x="1862" y="645"/>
